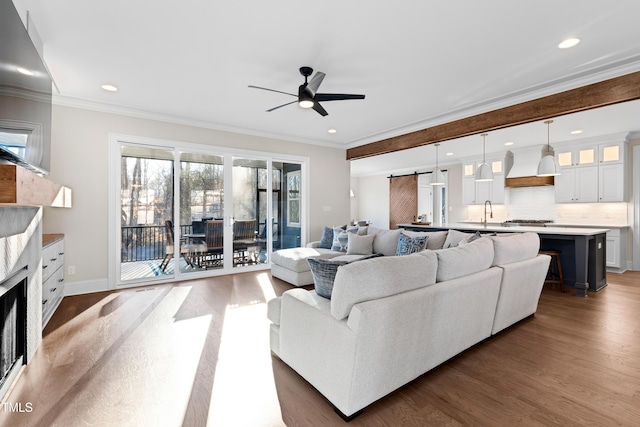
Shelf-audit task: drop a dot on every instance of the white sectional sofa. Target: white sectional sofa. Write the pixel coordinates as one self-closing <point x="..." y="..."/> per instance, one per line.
<point x="391" y="319"/>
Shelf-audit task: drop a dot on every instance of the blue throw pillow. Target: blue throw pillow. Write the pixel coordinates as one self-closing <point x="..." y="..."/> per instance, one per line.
<point x="327" y="238"/>
<point x="409" y="245"/>
<point x="324" y="272"/>
<point x="340" y="240"/>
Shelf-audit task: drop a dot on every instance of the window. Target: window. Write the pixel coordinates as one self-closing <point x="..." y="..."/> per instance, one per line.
<point x="293" y="199"/>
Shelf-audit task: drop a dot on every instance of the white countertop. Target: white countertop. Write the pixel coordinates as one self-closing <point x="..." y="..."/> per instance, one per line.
<point x="566" y="231"/>
<point x="561" y="224"/>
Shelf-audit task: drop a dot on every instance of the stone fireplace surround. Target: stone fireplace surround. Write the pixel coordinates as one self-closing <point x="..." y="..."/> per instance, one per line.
<point x="20" y="246"/>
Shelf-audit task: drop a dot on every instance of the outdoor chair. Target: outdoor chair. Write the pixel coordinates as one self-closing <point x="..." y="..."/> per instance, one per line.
<point x="214" y="236"/>
<point x="244" y="236"/>
<point x="170" y="247"/>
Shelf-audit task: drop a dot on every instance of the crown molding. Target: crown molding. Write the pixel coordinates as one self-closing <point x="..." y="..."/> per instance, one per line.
<point x="84" y="104"/>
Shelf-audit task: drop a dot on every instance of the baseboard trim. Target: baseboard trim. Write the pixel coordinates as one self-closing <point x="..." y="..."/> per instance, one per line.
<point x="85" y="287"/>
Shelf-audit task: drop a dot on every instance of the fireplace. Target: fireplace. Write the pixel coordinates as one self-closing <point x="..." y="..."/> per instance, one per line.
<point x="20" y="288"/>
<point x="13" y="332"/>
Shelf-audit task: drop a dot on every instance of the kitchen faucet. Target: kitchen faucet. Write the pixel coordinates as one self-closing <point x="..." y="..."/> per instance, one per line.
<point x="485" y="212"/>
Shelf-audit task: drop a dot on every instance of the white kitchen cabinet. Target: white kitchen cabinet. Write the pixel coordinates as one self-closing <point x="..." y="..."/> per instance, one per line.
<point x="52" y="275"/>
<point x="611" y="183"/>
<point x="613" y="249"/>
<point x="613" y="152"/>
<point x="577" y="185"/>
<point x="577" y="156"/>
<point x="594" y="172"/>
<point x="476" y="193"/>
<point x="468" y="191"/>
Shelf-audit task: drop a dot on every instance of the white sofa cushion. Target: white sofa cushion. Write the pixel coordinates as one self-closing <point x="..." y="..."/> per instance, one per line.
<point x="464" y="260"/>
<point x="454" y="237"/>
<point x="379" y="278"/>
<point x="386" y="241"/>
<point x="295" y="259"/>
<point x="515" y="247"/>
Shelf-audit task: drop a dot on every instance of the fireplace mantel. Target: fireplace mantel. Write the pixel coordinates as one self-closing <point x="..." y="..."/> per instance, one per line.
<point x="21" y="187"/>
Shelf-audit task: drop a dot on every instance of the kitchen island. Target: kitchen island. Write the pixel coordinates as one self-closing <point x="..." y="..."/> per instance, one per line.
<point x="582" y="250"/>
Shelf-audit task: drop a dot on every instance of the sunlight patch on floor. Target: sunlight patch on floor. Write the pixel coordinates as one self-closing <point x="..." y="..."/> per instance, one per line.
<point x="244" y="376"/>
<point x="150" y="371"/>
<point x="264" y="281"/>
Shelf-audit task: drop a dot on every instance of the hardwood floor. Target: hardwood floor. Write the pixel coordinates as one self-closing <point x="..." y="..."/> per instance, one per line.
<point x="197" y="353"/>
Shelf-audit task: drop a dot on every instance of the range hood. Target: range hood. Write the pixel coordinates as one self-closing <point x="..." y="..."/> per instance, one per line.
<point x="521" y="167"/>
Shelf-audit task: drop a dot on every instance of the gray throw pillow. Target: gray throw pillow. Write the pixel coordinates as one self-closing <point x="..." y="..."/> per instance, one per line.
<point x="360" y="245"/>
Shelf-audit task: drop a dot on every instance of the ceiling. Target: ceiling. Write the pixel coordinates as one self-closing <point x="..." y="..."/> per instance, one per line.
<point x="420" y="63"/>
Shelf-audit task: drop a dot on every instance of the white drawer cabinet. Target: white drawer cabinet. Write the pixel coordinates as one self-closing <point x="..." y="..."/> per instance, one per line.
<point x="52" y="275"/>
<point x="617" y="249"/>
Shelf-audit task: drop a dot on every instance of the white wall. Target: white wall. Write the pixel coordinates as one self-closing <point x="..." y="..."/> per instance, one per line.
<point x="373" y="196"/>
<point x="79" y="160"/>
<point x="373" y="200"/>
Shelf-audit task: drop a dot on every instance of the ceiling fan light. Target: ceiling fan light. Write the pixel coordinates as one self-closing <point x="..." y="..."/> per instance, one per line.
<point x="306" y="103"/>
<point x="484" y="173"/>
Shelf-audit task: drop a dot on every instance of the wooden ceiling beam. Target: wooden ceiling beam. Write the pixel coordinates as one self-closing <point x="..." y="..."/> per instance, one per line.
<point x="613" y="91"/>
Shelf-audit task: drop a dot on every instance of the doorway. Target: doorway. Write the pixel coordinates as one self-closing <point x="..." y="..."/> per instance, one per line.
<point x="188" y="211"/>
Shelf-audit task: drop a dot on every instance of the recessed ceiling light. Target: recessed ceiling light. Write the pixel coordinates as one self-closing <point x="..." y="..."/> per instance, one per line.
<point x="109" y="88"/>
<point x="576" y="132"/>
<point x="332" y="131"/>
<point x="25" y="71"/>
<point x="449" y="153"/>
<point x="567" y="43"/>
<point x="508" y="143"/>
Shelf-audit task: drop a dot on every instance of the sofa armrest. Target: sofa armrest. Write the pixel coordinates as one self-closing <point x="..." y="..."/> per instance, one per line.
<point x="315" y="244"/>
<point x="520" y="290"/>
<point x="274" y="308"/>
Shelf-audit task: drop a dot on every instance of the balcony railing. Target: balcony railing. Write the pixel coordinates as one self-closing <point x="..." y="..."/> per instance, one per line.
<point x="145" y="242"/>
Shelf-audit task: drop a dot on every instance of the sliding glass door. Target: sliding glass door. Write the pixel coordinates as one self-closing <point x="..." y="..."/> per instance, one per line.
<point x="146" y="203"/>
<point x="202" y="211"/>
<point x="249" y="227"/>
<point x="185" y="212"/>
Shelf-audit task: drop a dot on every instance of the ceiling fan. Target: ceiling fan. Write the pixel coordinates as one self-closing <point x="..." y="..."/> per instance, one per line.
<point x="307" y="93"/>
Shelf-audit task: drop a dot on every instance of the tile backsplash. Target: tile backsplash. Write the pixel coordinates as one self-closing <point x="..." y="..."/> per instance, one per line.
<point x="539" y="203"/>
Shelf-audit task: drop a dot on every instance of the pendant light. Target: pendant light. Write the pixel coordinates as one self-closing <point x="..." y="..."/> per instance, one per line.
<point x="437" y="177"/>
<point x="548" y="165"/>
<point x="484" y="172"/>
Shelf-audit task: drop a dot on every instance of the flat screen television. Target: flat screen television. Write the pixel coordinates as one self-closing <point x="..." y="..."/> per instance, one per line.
<point x="25" y="96"/>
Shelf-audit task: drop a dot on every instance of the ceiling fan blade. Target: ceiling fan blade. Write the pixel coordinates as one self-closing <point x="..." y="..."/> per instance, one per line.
<point x="271" y="90"/>
<point x="319" y="109"/>
<point x="336" y="96"/>
<point x="315" y="82"/>
<point x="280" y="106"/>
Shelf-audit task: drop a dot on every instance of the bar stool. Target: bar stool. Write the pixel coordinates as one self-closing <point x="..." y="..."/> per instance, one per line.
<point x="554" y="274"/>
